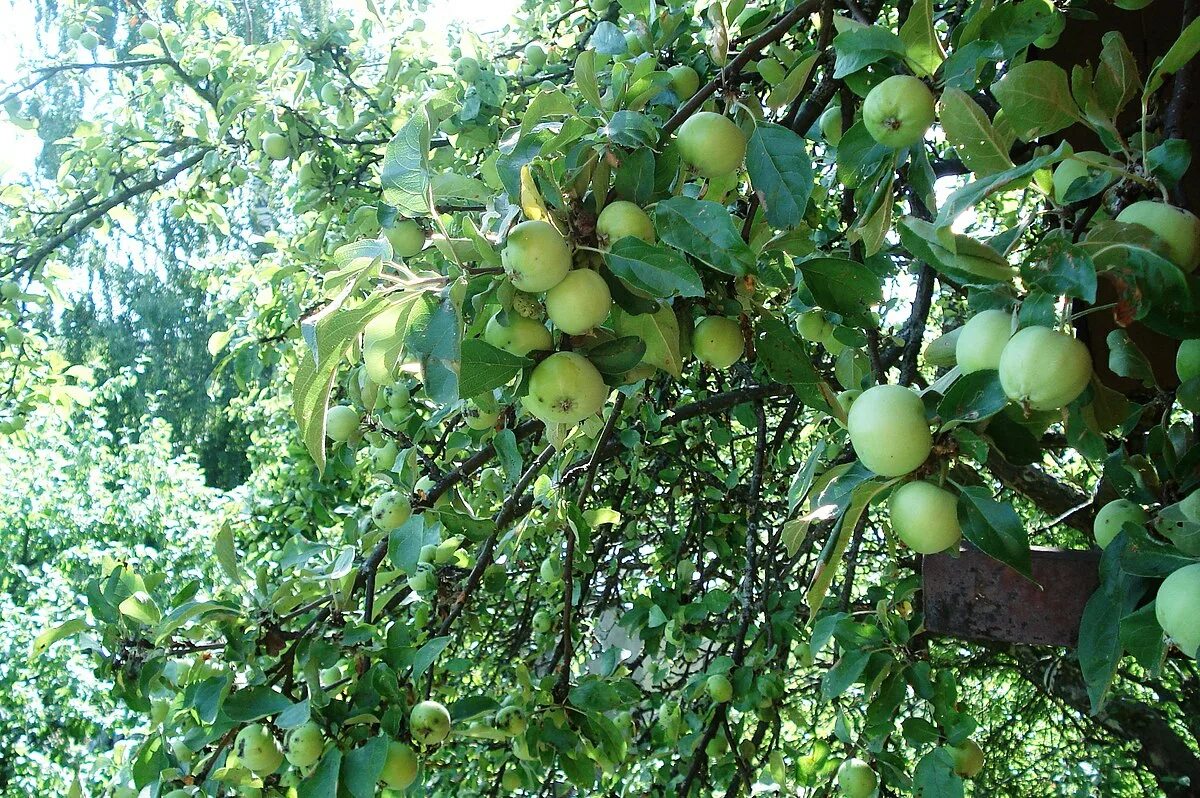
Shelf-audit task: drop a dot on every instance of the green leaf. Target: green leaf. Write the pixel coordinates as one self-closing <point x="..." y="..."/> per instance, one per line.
<point x="1182" y="51"/>
<point x="970" y="132"/>
<point x="404" y="175"/>
<point x="860" y="47"/>
<point x="1036" y="99"/>
<point x="426" y="655"/>
<point x="1099" y="648"/>
<point x="845" y="672"/>
<point x="934" y="776"/>
<point x="995" y="528"/>
<point x="630" y="129"/>
<point x="789" y="88"/>
<point x="484" y="367"/>
<point x="141" y="608"/>
<point x="1170" y="160"/>
<point x="969" y="263"/>
<point x="780" y="173"/>
<point x="1154" y="291"/>
<point x="858" y="498"/>
<point x="1142" y="637"/>
<point x="547" y="102"/>
<point x="922" y="48"/>
<point x="363" y="765"/>
<point x="226" y="551"/>
<point x="1061" y="268"/>
<point x="323" y="781"/>
<point x="405" y="542"/>
<point x="842" y="286"/>
<point x="659" y="331"/>
<point x="973" y="397"/>
<point x="618" y="355"/>
<point x="51" y="636"/>
<point x="704" y="230"/>
<point x="1117" y="80"/>
<point x="585" y="77"/>
<point x="660" y="272"/>
<point x="786" y="359"/>
<point x="1126" y="360"/>
<point x="962" y="68"/>
<point x="252" y="703"/>
<point x="973" y="193"/>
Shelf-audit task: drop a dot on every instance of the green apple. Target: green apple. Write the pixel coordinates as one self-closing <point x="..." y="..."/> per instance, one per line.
<point x="479" y="419"/>
<point x="1044" y="369"/>
<point x="511" y="780"/>
<point x="565" y="388"/>
<point x="1178" y="606"/>
<point x="89" y="40"/>
<point x="925" y="517"/>
<point x="898" y="111"/>
<point x="968" y="758"/>
<point x="535" y="257"/>
<point x="1187" y="359"/>
<point x="1077" y="166"/>
<point x="200" y="67"/>
<point x="341" y="422"/>
<point x="542" y="622"/>
<point x="148" y="30"/>
<point x="579" y="303"/>
<point x="856" y="779"/>
<point x="813" y="326"/>
<point x="1058" y="23"/>
<point x="258" y="750"/>
<point x="982" y="340"/>
<point x="888" y="430"/>
<point x="941" y="350"/>
<point x="330" y="95"/>
<point x="831" y="125"/>
<point x="400" y="767"/>
<point x="304" y="744"/>
<point x="621" y="219"/>
<point x="276" y="146"/>
<point x="517" y="334"/>
<point x="718" y="342"/>
<point x="684" y="81"/>
<point x="511" y="720"/>
<point x="711" y="144"/>
<point x="535" y="56"/>
<point x="1113" y="516"/>
<point x="719" y="688"/>
<point x="406" y="237"/>
<point x="551" y="570"/>
<point x="429" y="723"/>
<point x="845" y="400"/>
<point x="391" y="510"/>
<point x="1179" y="229"/>
<point x="467" y="68"/>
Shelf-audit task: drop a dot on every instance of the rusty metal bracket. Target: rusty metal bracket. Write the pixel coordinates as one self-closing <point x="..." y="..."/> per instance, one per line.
<point x="975" y="597"/>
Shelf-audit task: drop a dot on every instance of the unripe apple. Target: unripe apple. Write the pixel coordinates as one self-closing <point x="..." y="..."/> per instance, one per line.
<point x="467" y="68"/>
<point x="535" y="257"/>
<point x="1179" y="229"/>
<point x="888" y="430"/>
<point x="304" y="745"/>
<point x="831" y="125"/>
<point x="551" y="569"/>
<point x="517" y="334"/>
<point x="330" y="95"/>
<point x="429" y="723"/>
<point x="1073" y="168"/>
<point x="711" y="144"/>
<point x="384" y="457"/>
<point x="511" y="780"/>
<point x="427" y="553"/>
<point x="511" y="720"/>
<point x="579" y="303"/>
<point x="719" y="688"/>
<point x="898" y="111"/>
<point x="200" y="67"/>
<point x="1113" y="516"/>
<point x="542" y="622"/>
<point x="478" y="418"/>
<point x="621" y="219"/>
<point x="1044" y="369"/>
<point x="684" y="81"/>
<point x="941" y="350"/>
<point x="148" y="30"/>
<point x="982" y="341"/>
<point x="89" y="40"/>
<point x="968" y="758"/>
<point x="1178" y="607"/>
<point x="718" y="342"/>
<point x="925" y="517"/>
<point x="813" y="326"/>
<point x="276" y="146"/>
<point x="341" y="422"/>
<point x="845" y="400"/>
<point x="390" y="510"/>
<point x="1187" y="359"/>
<point x="406" y="237"/>
<point x="258" y="750"/>
<point x="565" y="388"/>
<point x="400" y="767"/>
<point x="856" y="779"/>
<point x="535" y="56"/>
<point x="424" y="578"/>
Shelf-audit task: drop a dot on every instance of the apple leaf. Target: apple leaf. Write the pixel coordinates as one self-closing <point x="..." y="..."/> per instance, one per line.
<point x="484" y="367"/>
<point x="973" y="397"/>
<point x="970" y="132"/>
<point x="780" y="172"/>
<point x="704" y="230"/>
<point x="995" y="528"/>
<point x="658" y="271"/>
<point x="842" y="286"/>
<point x="405" y="175"/>
<point x="1036" y="99"/>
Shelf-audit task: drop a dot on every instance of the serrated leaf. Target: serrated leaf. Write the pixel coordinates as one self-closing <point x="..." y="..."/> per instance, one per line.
<point x="405" y="175"/>
<point x="658" y="271"/>
<point x="660" y="332"/>
<point x="922" y="48"/>
<point x="485" y="367"/>
<point x="970" y="132"/>
<point x="1036" y="98"/>
<point x="704" y="230"/>
<point x="780" y="173"/>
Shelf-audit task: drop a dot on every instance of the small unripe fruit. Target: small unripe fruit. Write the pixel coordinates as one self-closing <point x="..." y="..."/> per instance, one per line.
<point x="200" y="67"/>
<point x="579" y="303"/>
<point x="390" y="510"/>
<point x="330" y="95"/>
<point x="276" y="146"/>
<point x="831" y="125"/>
<point x="711" y="144"/>
<point x="968" y="758"/>
<point x="982" y="340"/>
<point x="542" y="622"/>
<point x="517" y="334"/>
<point x="1113" y="516"/>
<point x="1187" y="359"/>
<point x="479" y="419"/>
<point x="925" y="517"/>
<point x="1179" y="229"/>
<point x="888" y="430"/>
<point x="1178" y="607"/>
<point x="684" y="81"/>
<point x="148" y="30"/>
<point x="1044" y="369"/>
<point x="89" y="40"/>
<point x="400" y="767"/>
<point x="406" y="237"/>
<point x="719" y="688"/>
<point x="1075" y="167"/>
<point x="856" y="779"/>
<point x="565" y="388"/>
<point x="535" y="56"/>
<point x="898" y="111"/>
<point x="258" y="750"/>
<point x="535" y="257"/>
<point x="718" y="342"/>
<point x="341" y="422"/>
<point x="621" y="219"/>
<point x="511" y="780"/>
<point x="467" y="68"/>
<point x="304" y="744"/>
<point x="511" y="720"/>
<point x="429" y="723"/>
